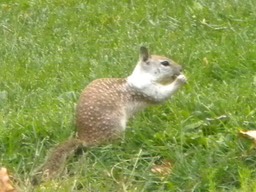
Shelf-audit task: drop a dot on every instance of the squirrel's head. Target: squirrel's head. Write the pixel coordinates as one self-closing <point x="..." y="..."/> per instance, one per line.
<point x="161" y="69"/>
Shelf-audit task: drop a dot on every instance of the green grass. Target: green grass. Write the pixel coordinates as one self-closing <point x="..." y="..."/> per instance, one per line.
<point x="50" y="50"/>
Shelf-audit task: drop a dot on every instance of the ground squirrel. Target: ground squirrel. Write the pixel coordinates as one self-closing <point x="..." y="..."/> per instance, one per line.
<point x="105" y="105"/>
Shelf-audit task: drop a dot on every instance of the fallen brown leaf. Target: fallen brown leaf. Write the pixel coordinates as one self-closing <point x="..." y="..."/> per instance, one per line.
<point x="163" y="169"/>
<point x="5" y="183"/>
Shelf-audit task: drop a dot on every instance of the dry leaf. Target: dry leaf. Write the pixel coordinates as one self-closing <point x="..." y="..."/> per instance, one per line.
<point x="5" y="183"/>
<point x="249" y="134"/>
<point x="163" y="169"/>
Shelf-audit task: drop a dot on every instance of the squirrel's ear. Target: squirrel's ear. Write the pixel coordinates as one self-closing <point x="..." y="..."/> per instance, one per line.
<point x="144" y="55"/>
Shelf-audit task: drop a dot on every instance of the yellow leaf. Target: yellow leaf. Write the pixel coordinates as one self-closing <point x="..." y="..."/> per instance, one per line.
<point x="249" y="134"/>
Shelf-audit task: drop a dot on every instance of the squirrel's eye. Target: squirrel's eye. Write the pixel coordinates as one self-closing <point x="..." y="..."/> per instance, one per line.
<point x="165" y="63"/>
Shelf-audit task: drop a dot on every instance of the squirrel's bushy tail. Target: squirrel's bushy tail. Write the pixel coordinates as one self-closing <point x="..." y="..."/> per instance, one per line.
<point x="56" y="160"/>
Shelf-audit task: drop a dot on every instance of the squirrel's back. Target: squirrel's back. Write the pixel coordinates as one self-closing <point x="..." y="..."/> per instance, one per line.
<point x="104" y="108"/>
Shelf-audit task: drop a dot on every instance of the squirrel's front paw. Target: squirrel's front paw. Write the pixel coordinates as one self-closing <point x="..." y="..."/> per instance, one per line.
<point x="181" y="79"/>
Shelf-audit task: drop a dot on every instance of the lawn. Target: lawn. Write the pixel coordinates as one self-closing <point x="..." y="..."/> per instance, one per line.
<point x="50" y="50"/>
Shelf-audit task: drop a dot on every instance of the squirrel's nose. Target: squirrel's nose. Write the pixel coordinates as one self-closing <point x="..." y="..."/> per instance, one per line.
<point x="181" y="69"/>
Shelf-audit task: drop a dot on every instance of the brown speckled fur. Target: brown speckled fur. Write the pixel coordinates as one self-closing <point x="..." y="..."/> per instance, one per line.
<point x="102" y="100"/>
